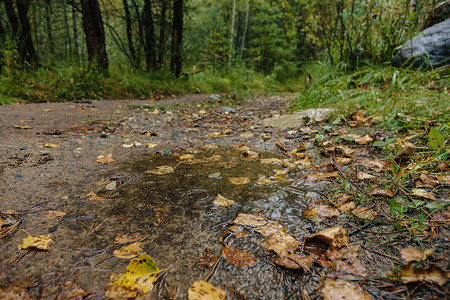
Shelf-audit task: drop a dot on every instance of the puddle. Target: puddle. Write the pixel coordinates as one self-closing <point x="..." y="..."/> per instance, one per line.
<point x="177" y="214"/>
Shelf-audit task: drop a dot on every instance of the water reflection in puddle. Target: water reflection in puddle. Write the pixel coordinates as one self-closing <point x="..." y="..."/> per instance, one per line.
<point x="177" y="213"/>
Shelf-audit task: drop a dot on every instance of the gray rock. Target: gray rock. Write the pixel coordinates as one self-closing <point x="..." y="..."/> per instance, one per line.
<point x="299" y="118"/>
<point x="431" y="48"/>
<point x="227" y="108"/>
<point x="214" y="97"/>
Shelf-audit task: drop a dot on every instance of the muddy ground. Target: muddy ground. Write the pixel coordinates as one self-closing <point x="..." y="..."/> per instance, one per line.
<point x="86" y="205"/>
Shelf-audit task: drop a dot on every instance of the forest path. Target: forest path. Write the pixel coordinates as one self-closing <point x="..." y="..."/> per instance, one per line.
<point x="97" y="176"/>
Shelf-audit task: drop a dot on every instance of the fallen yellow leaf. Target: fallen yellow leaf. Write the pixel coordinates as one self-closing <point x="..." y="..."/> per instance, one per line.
<point x="130" y="251"/>
<point x="41" y="242"/>
<point x="105" y="159"/>
<point x="50" y="145"/>
<point x="222" y="201"/>
<point x="141" y="274"/>
<point x="239" y="180"/>
<point x="202" y="290"/>
<point x="161" y="170"/>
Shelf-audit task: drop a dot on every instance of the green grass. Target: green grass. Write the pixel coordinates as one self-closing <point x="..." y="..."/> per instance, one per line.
<point x="398" y="97"/>
<point x="65" y="83"/>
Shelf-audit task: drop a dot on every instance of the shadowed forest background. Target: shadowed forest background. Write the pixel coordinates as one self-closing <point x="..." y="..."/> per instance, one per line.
<point x="90" y="49"/>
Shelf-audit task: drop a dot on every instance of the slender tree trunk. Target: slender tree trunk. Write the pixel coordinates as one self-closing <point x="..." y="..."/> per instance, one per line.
<point x="233" y="18"/>
<point x="162" y="33"/>
<point x="30" y="55"/>
<point x="149" y="31"/>
<point x="95" y="34"/>
<point x="76" y="41"/>
<point x="48" y="21"/>
<point x="247" y="13"/>
<point x="177" y="38"/>
<point x="130" y="34"/>
<point x="66" y="25"/>
<point x="141" y="38"/>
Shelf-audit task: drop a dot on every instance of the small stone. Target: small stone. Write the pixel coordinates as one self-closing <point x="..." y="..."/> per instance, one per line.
<point x="229" y="109"/>
<point x="216" y="175"/>
<point x="111" y="186"/>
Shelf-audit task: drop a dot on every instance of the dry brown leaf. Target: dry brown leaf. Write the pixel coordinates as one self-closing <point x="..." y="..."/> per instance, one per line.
<point x="208" y="259"/>
<point x="364" y="140"/>
<point x="322" y="176"/>
<point x="343" y="160"/>
<point x="280" y="172"/>
<point x="430" y="274"/>
<point x="238" y="258"/>
<point x="334" y="236"/>
<point x="161" y="170"/>
<point x="54" y="214"/>
<point x="222" y="201"/>
<point x="115" y="291"/>
<point x="343" y="290"/>
<point x="347" y="206"/>
<point x="374" y="165"/>
<point x="23" y="127"/>
<point x="41" y="242"/>
<point x="251" y="221"/>
<point x="281" y="243"/>
<point x="126" y="238"/>
<point x="364" y="213"/>
<point x="423" y="194"/>
<point x="381" y="193"/>
<point x="346" y="262"/>
<point x="129" y="251"/>
<point x="239" y="180"/>
<point x="51" y="145"/>
<point x="105" y="159"/>
<point x="295" y="261"/>
<point x="220" y="133"/>
<point x="304" y="161"/>
<point x="202" y="290"/>
<point x="277" y="240"/>
<point x="365" y="176"/>
<point x="271" y="161"/>
<point x="347" y="151"/>
<point x="319" y="213"/>
<point x="263" y="181"/>
<point x="412" y="254"/>
<point x="246" y="135"/>
<point x="93" y="197"/>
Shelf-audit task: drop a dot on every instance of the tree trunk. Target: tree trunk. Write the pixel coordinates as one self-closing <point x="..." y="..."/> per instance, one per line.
<point x="48" y="21"/>
<point x="149" y="32"/>
<point x="247" y="12"/>
<point x="66" y="25"/>
<point x="95" y="34"/>
<point x="162" y="33"/>
<point x="233" y="18"/>
<point x="76" y="41"/>
<point x="130" y="34"/>
<point x="28" y="50"/>
<point x="177" y="38"/>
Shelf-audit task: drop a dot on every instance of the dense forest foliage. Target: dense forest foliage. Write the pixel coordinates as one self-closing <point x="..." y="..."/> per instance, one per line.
<point x="125" y="48"/>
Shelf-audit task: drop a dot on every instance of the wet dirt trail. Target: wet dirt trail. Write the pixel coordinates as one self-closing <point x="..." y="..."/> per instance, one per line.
<point x="199" y="184"/>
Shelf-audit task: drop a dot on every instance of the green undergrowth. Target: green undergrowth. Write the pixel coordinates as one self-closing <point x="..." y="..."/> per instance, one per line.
<point x="397" y="98"/>
<point x="58" y="84"/>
